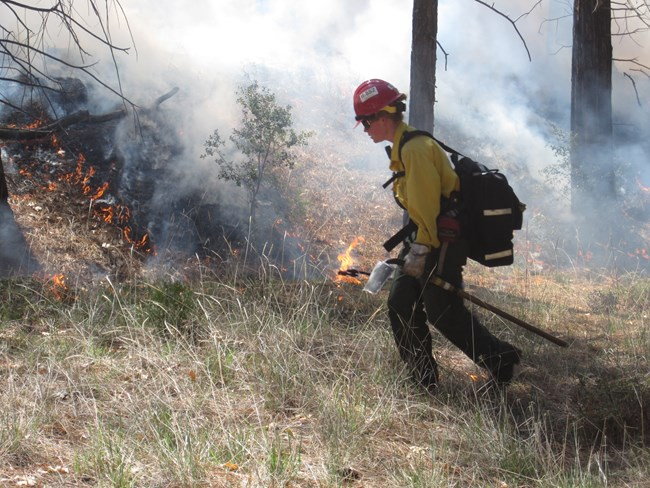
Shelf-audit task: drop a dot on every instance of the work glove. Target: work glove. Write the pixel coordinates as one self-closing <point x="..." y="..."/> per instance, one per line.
<point x="415" y="260"/>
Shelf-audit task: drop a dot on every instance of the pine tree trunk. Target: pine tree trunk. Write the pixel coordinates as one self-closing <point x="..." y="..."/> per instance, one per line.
<point x="423" y="64"/>
<point x="593" y="195"/>
<point x="4" y="192"/>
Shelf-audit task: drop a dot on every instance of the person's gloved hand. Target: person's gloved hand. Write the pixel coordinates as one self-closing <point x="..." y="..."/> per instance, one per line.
<point x="415" y="260"/>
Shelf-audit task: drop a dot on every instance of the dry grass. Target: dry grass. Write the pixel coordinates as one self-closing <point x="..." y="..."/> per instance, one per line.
<point x="204" y="377"/>
<point x="261" y="382"/>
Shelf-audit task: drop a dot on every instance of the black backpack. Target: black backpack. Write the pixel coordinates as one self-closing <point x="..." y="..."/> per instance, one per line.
<point x="489" y="208"/>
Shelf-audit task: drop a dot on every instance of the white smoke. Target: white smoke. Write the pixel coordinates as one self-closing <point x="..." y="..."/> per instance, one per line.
<point x="313" y="54"/>
<point x="489" y="85"/>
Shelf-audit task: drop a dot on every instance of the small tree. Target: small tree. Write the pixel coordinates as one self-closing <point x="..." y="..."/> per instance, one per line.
<point x="264" y="139"/>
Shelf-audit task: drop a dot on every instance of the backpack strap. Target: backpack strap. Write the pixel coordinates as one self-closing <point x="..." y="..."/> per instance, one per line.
<point x="400" y="236"/>
<point x="411" y="227"/>
<point x="408" y="135"/>
<point x="396" y="175"/>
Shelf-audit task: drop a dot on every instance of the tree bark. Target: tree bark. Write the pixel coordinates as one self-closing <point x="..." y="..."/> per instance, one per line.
<point x="4" y="192"/>
<point x="593" y="191"/>
<point x="423" y="64"/>
<point x="15" y="255"/>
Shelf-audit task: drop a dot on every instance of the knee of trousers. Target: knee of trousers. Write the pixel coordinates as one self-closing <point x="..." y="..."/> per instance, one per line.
<point x="404" y="296"/>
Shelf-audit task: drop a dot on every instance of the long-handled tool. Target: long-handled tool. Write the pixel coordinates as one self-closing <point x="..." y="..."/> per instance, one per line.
<point x="436" y="280"/>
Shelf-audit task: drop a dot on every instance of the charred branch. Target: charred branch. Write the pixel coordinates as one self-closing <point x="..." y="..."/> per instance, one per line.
<point x="82" y="116"/>
<point x="633" y="61"/>
<point x="84" y="68"/>
<point x="555" y="20"/>
<point x="58" y="9"/>
<point x="643" y="72"/>
<point x="4" y="192"/>
<point x="23" y="44"/>
<point x="165" y="97"/>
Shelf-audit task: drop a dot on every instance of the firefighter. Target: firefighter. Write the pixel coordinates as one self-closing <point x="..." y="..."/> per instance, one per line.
<point x="424" y="183"/>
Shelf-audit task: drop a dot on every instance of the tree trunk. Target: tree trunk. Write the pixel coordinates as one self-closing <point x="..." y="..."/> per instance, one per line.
<point x="4" y="192"/>
<point x="593" y="194"/>
<point x="423" y="64"/>
<point x="15" y="256"/>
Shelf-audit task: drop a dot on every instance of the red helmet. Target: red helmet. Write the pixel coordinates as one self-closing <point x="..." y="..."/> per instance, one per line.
<point x="373" y="95"/>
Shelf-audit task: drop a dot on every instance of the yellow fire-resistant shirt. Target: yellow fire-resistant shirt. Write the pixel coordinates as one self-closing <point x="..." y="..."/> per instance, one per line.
<point x="429" y="175"/>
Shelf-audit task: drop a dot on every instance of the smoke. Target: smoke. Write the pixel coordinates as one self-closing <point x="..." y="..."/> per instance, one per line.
<point x="490" y="88"/>
<point x="313" y="54"/>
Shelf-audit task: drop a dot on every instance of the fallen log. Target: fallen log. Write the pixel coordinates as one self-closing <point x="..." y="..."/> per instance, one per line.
<point x="15" y="134"/>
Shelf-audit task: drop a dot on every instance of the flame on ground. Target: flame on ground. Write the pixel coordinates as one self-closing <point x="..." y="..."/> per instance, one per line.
<point x="640" y="253"/>
<point x="58" y="286"/>
<point x="346" y="261"/>
<point x="119" y="215"/>
<point x="100" y="191"/>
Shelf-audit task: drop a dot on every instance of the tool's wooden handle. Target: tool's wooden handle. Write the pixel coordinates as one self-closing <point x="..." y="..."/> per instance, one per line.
<point x="477" y="301"/>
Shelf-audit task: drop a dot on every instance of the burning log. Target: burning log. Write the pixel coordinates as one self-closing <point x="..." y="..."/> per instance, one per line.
<point x="84" y="174"/>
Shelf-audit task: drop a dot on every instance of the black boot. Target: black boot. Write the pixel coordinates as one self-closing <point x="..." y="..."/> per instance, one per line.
<point x="502" y="365"/>
<point x="427" y="378"/>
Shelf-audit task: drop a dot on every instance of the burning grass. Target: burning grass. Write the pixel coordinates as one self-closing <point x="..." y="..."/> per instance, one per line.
<point x="70" y="230"/>
<point x="234" y="381"/>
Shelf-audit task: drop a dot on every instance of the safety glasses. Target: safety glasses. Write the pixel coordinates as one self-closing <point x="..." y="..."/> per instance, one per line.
<point x="367" y="122"/>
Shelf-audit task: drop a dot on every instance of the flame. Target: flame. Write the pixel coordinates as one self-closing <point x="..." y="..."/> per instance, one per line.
<point x="346" y="261"/>
<point x="106" y="214"/>
<point x="587" y="256"/>
<point x="119" y="215"/>
<point x="144" y="240"/>
<point x="141" y="244"/>
<point x="58" y="286"/>
<point x="640" y="253"/>
<point x="100" y="191"/>
<point x="34" y="125"/>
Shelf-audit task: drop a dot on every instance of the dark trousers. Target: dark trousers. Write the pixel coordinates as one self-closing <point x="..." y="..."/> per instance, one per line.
<point x="408" y="300"/>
